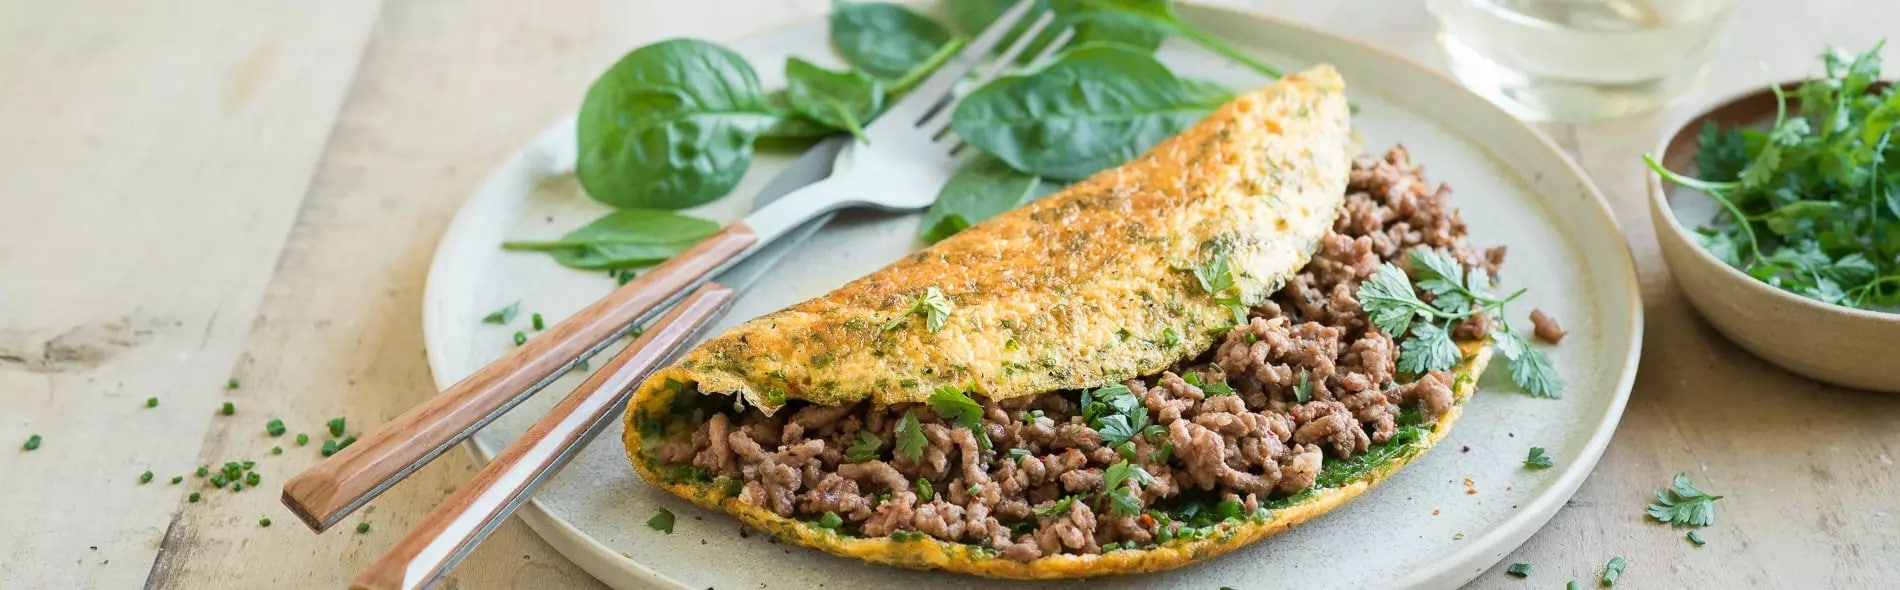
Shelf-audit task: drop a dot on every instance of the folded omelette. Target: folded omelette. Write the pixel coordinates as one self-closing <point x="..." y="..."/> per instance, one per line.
<point x="1154" y="366"/>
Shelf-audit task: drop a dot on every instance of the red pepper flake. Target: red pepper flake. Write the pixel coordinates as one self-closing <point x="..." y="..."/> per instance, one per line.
<point x="1147" y="521"/>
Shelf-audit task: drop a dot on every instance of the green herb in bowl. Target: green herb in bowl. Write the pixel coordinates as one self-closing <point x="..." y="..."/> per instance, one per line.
<point x="1810" y="205"/>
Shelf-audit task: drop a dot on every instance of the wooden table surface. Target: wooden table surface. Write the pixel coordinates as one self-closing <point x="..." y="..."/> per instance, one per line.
<point x="202" y="190"/>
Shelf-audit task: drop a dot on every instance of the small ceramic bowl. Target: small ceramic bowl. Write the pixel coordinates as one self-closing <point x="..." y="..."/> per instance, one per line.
<point x="1839" y="345"/>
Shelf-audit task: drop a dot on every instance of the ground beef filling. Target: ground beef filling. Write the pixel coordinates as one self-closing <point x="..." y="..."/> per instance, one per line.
<point x="1307" y="382"/>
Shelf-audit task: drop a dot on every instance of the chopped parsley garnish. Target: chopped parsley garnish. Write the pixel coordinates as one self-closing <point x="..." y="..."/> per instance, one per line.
<point x="1808" y="205"/>
<point x="830" y="520"/>
<point x="866" y="447"/>
<point x="227" y="409"/>
<point x="194" y="497"/>
<point x="1216" y="278"/>
<point x="910" y="437"/>
<point x="1114" y="412"/>
<point x="151" y="402"/>
<point x="1537" y="459"/>
<point x="955" y="406"/>
<point x="302" y="439"/>
<point x="1684" y="505"/>
<point x="274" y="427"/>
<point x="924" y="492"/>
<point x="32" y="443"/>
<point x="263" y="522"/>
<point x="933" y="305"/>
<point x="1303" y="391"/>
<point x="1216" y="388"/>
<point x="1522" y="570"/>
<point x="537" y="322"/>
<point x="503" y="315"/>
<point x="363" y="527"/>
<point x="252" y="478"/>
<point x="1613" y="570"/>
<point x="203" y="471"/>
<point x="145" y="478"/>
<point x="1124" y="500"/>
<point x="1424" y="329"/>
<point x="1170" y="337"/>
<point x="662" y="521"/>
<point x="1696" y="537"/>
<point x="231" y="383"/>
<point x="1059" y="507"/>
<point x="329" y="448"/>
<point x="520" y="338"/>
<point x="336" y="426"/>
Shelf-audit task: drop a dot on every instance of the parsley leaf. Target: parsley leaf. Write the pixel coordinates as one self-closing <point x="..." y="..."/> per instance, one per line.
<point x="865" y="449"/>
<point x="1530" y="367"/>
<point x="1684" y="505"/>
<point x="1118" y="428"/>
<point x="1429" y="348"/>
<point x="1442" y="276"/>
<point x="1537" y="459"/>
<point x="1122" y="498"/>
<point x="955" y="406"/>
<point x="910" y="437"/>
<point x="1216" y="388"/>
<point x="932" y="305"/>
<point x="1216" y="278"/>
<point x="503" y="315"/>
<point x="1303" y="391"/>
<point x="662" y="521"/>
<point x="1389" y="299"/>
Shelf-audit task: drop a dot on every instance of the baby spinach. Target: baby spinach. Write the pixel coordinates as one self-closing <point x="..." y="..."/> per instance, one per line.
<point x="1090" y="24"/>
<point x="885" y="40"/>
<point x="623" y="239"/>
<point x="1161" y="14"/>
<point x="983" y="188"/>
<point x="790" y="125"/>
<point x="670" y="126"/>
<point x="1096" y="107"/>
<point x="839" y="100"/>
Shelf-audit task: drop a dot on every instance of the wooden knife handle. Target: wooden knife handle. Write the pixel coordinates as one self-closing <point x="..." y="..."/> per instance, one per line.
<point x="463" y="519"/>
<point x="337" y="486"/>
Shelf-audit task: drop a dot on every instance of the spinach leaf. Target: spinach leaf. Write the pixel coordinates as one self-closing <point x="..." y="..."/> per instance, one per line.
<point x="1096" y="107"/>
<point x="1161" y="14"/>
<point x="623" y="239"/>
<point x="839" y="100"/>
<point x="1090" y="23"/>
<point x="885" y="40"/>
<point x="670" y="126"/>
<point x="790" y="125"/>
<point x="979" y="190"/>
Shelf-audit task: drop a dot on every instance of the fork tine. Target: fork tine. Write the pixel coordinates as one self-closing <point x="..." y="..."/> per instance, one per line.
<point x="905" y="114"/>
<point x="939" y="118"/>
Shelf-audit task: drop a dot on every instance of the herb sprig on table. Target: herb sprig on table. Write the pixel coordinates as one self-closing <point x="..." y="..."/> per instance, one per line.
<point x="1423" y="329"/>
<point x="1812" y="204"/>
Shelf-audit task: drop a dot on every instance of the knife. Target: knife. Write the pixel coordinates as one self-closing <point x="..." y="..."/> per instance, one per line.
<point x="335" y="487"/>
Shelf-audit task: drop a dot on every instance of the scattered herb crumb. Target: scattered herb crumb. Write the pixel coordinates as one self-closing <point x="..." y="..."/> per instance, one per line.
<point x="203" y="471"/>
<point x="1537" y="459"/>
<point x="362" y="527"/>
<point x="276" y="450"/>
<point x="329" y="448"/>
<point x="662" y="521"/>
<point x="520" y="338"/>
<point x="252" y="479"/>
<point x="345" y="443"/>
<point x="1684" y="505"/>
<point x="302" y="439"/>
<point x="263" y="522"/>
<point x="227" y="409"/>
<point x="336" y="426"/>
<point x="1572" y="585"/>
<point x="275" y="427"/>
<point x="231" y="384"/>
<point x="32" y="443"/>
<point x="538" y="324"/>
<point x="151" y="402"/>
<point x="1696" y="537"/>
<point x="178" y="479"/>
<point x="145" y="478"/>
<point x="622" y="276"/>
<point x="1522" y="570"/>
<point x="1613" y="570"/>
<point x="194" y="497"/>
<point x="503" y="315"/>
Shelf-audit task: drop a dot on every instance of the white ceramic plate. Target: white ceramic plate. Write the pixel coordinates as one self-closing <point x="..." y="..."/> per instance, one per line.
<point x="1419" y="529"/>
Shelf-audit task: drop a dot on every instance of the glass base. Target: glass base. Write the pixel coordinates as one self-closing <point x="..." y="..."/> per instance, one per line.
<point x="1546" y="99"/>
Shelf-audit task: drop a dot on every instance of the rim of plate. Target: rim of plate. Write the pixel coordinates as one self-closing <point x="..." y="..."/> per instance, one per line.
<point x="598" y="559"/>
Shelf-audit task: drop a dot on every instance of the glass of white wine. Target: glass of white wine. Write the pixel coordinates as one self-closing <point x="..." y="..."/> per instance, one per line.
<point x="1580" y="60"/>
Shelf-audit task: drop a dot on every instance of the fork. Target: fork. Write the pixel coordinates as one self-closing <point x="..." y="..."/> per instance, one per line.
<point x="912" y="147"/>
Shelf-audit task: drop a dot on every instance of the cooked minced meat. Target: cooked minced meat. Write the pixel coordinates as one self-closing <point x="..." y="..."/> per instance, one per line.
<point x="1546" y="327"/>
<point x="1306" y="382"/>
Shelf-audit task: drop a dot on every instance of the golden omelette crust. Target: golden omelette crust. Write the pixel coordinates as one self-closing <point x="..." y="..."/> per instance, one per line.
<point x="1076" y="289"/>
<point x="929" y="553"/>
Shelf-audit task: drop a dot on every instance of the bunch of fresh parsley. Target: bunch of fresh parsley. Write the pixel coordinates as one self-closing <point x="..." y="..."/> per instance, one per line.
<point x="1810" y="205"/>
<point x="1423" y="329"/>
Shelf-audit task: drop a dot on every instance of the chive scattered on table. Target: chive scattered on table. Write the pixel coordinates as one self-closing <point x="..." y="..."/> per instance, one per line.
<point x="520" y="338"/>
<point x="203" y="471"/>
<point x="362" y="527"/>
<point x="227" y="409"/>
<point x="145" y="478"/>
<point x="329" y="448"/>
<point x="263" y="522"/>
<point x="276" y="450"/>
<point x="232" y="384"/>
<point x="32" y="443"/>
<point x="177" y="479"/>
<point x="336" y="426"/>
<point x="151" y="402"/>
<point x="538" y="323"/>
<point x="194" y="497"/>
<point x="275" y="427"/>
<point x="302" y="439"/>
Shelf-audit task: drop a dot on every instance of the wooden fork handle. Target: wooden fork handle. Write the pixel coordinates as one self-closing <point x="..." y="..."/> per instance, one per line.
<point x="463" y="519"/>
<point x="337" y="486"/>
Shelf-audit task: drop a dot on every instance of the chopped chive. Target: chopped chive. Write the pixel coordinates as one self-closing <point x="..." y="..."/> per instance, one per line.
<point x="203" y="471"/>
<point x="219" y="481"/>
<point x="362" y="527"/>
<point x="538" y="324"/>
<point x="177" y="479"/>
<point x="275" y="427"/>
<point x="145" y="478"/>
<point x="520" y="338"/>
<point x="249" y="464"/>
<point x="336" y="426"/>
<point x="237" y="487"/>
<point x="1695" y="537"/>
<point x="1522" y="570"/>
<point x="263" y="521"/>
<point x="503" y="315"/>
<point x="1613" y="570"/>
<point x="830" y="520"/>
<point x="302" y="439"/>
<point x="232" y="384"/>
<point x="151" y="402"/>
<point x="276" y="450"/>
<point x="194" y="497"/>
<point x="622" y="276"/>
<point x="252" y="479"/>
<point x="1572" y="585"/>
<point x="346" y="442"/>
<point x="924" y="491"/>
<point x="1111" y="547"/>
<point x="227" y="409"/>
<point x="329" y="448"/>
<point x="32" y="443"/>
